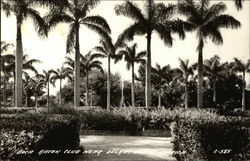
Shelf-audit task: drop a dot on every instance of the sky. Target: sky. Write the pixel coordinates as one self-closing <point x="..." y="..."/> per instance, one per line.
<point x="52" y="50"/>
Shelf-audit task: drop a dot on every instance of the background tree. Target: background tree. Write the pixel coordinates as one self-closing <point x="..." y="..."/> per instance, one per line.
<point x="157" y="17"/>
<point x="131" y="57"/>
<point x="88" y="63"/>
<point x="22" y="10"/>
<point x="37" y="84"/>
<point x="206" y="21"/>
<point x="214" y="70"/>
<point x="60" y="74"/>
<point x="5" y="59"/>
<point x="28" y="66"/>
<point x="74" y="12"/>
<point x="48" y="81"/>
<point x="239" y="66"/>
<point x="162" y="76"/>
<point x="183" y="73"/>
<point x="107" y="48"/>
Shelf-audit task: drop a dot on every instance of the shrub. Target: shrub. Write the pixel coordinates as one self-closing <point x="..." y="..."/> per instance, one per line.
<point x="13" y="143"/>
<point x="102" y="120"/>
<point x="56" y="131"/>
<point x="211" y="138"/>
<point x="10" y="110"/>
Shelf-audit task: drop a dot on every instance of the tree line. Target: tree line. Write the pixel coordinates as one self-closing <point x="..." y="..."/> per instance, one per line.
<point x="202" y="17"/>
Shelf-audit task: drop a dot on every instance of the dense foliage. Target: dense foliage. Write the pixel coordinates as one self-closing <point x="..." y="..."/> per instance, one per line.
<point x="211" y="138"/>
<point x="36" y="132"/>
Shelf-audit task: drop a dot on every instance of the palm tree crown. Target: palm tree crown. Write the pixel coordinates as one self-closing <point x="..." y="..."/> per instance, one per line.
<point x="88" y="63"/>
<point x="206" y="20"/>
<point x="60" y="74"/>
<point x="131" y="57"/>
<point x="162" y="76"/>
<point x="74" y="12"/>
<point x="157" y="17"/>
<point x="183" y="73"/>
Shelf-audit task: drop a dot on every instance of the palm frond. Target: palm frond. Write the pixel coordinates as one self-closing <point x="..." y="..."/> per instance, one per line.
<point x="130" y="10"/>
<point x="238" y="4"/>
<point x="214" y="34"/>
<point x="55" y="18"/>
<point x="129" y="33"/>
<point x="98" y="21"/>
<point x="103" y="34"/>
<point x="164" y="12"/>
<point x="141" y="55"/>
<point x="95" y="56"/>
<point x="5" y="46"/>
<point x="225" y="21"/>
<point x="39" y="22"/>
<point x="71" y="38"/>
<point x="6" y="7"/>
<point x="164" y="34"/>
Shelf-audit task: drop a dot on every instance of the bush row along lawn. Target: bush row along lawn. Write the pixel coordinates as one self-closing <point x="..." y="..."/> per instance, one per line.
<point x="34" y="132"/>
<point x="197" y="134"/>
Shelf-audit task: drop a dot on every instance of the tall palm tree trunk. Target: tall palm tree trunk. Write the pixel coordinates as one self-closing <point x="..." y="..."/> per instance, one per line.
<point x="148" y="72"/>
<point x="60" y="92"/>
<point x="159" y="99"/>
<point x="36" y="100"/>
<point x="1" y="80"/>
<point x="14" y="79"/>
<point x="133" y="86"/>
<point x="27" y="100"/>
<point x="186" y="95"/>
<point x="108" y="84"/>
<point x="18" y="65"/>
<point x="122" y="92"/>
<point x="91" y="97"/>
<point x="243" y="93"/>
<point x="4" y="92"/>
<point x="48" y="100"/>
<point x="77" y="70"/>
<point x="200" y="75"/>
<point x="87" y="87"/>
<point x="214" y="92"/>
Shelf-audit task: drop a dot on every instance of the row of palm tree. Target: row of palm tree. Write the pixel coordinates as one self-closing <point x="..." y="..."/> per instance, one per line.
<point x="214" y="71"/>
<point x="205" y="19"/>
<point x="162" y="76"/>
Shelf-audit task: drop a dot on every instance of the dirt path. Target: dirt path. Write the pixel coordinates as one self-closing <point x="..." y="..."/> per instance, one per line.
<point x="126" y="148"/>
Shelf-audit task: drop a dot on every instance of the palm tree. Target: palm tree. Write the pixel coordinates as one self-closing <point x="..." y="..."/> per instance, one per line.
<point x="214" y="69"/>
<point x="108" y="49"/>
<point x="157" y="17"/>
<point x="74" y="12"/>
<point x="37" y="84"/>
<point x="206" y="21"/>
<point x="183" y="73"/>
<point x="239" y="66"/>
<point x="60" y="74"/>
<point x="131" y="57"/>
<point x="3" y="60"/>
<point x="161" y="76"/>
<point x="27" y="88"/>
<point x="88" y="63"/>
<point x="27" y="64"/>
<point x="23" y="9"/>
<point x="48" y="80"/>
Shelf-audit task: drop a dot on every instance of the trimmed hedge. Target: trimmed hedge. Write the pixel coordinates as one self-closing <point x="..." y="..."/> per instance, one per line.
<point x="54" y="132"/>
<point x="221" y="138"/>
